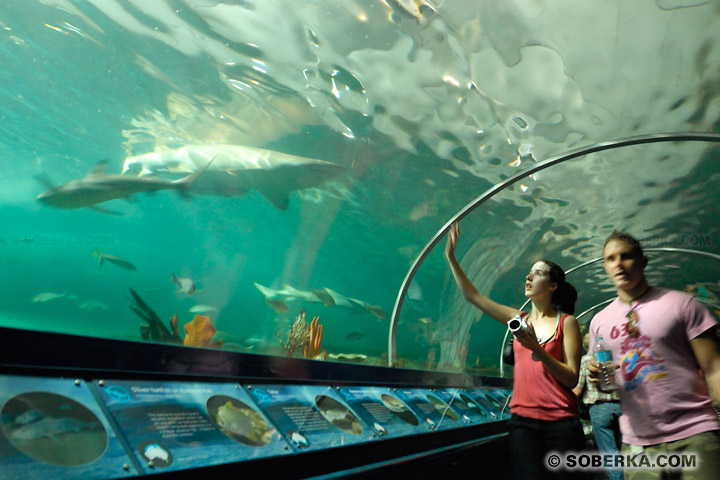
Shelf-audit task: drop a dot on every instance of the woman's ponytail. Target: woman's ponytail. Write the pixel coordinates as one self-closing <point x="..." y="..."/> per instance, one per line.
<point x="565" y="296"/>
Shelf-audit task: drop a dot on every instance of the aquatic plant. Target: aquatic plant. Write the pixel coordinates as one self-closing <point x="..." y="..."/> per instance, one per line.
<point x="303" y="336"/>
<point x="198" y="332"/>
<point x="155" y="329"/>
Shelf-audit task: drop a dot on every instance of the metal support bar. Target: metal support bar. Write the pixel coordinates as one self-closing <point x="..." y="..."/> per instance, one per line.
<point x="582" y="151"/>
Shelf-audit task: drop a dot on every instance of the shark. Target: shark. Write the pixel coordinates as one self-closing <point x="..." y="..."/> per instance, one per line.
<point x="237" y="170"/>
<point x="50" y="427"/>
<point x="47" y="297"/>
<point x="324" y="295"/>
<point x="98" y="187"/>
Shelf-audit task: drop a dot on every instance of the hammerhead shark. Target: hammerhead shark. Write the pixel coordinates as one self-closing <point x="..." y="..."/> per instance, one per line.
<point x="98" y="187"/>
<point x="237" y="170"/>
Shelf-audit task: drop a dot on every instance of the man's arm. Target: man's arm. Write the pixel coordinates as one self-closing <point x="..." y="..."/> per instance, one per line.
<point x="705" y="347"/>
<point x="582" y="374"/>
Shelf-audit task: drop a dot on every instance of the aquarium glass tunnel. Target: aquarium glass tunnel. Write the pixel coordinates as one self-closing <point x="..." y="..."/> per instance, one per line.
<point x="217" y="207"/>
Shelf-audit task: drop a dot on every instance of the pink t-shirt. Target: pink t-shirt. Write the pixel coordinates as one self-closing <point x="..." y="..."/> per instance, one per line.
<point x="536" y="393"/>
<point x="662" y="393"/>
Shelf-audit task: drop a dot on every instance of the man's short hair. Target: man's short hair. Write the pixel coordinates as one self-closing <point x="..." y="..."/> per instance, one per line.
<point x="636" y="248"/>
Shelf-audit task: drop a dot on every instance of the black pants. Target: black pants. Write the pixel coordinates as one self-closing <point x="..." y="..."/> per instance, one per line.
<point x="530" y="440"/>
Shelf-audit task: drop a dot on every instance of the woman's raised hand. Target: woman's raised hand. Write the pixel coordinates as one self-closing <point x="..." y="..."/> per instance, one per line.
<point x="453" y="235"/>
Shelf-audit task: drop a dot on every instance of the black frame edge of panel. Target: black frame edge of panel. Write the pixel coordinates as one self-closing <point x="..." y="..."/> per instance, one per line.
<point x="30" y="352"/>
<point x="419" y="453"/>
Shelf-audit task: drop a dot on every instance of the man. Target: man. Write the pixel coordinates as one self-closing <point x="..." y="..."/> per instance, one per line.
<point x="604" y="410"/>
<point x="660" y="340"/>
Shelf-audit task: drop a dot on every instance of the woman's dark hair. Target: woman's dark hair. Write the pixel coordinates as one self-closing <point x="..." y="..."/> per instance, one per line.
<point x="565" y="296"/>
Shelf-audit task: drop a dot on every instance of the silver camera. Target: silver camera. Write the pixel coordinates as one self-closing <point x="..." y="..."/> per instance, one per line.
<point x="517" y="323"/>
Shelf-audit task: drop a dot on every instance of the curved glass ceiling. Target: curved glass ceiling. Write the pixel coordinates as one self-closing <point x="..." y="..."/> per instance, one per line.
<point x="542" y="217"/>
<point x="343" y="135"/>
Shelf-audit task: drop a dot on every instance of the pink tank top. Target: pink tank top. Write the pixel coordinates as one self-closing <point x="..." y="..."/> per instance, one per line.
<point x="536" y="393"/>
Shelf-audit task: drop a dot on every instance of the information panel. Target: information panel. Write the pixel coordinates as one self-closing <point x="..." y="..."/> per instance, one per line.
<point x="380" y="408"/>
<point x="428" y="406"/>
<point x="55" y="429"/>
<point x="491" y="402"/>
<point x="173" y="425"/>
<point x="465" y="407"/>
<point x="502" y="397"/>
<point x="311" y="417"/>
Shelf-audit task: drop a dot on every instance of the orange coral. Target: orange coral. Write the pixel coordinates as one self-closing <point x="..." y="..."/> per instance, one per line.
<point x="174" y="325"/>
<point x="199" y="332"/>
<point x="312" y="348"/>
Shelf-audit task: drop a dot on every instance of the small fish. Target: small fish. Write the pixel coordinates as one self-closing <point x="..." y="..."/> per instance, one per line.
<point x="115" y="260"/>
<point x="702" y="291"/>
<point x="425" y="209"/>
<point x="46" y="297"/>
<point x="425" y="320"/>
<point x="186" y="284"/>
<point x="354" y="335"/>
<point x="278" y="305"/>
<point x="253" y="342"/>
<point x="376" y="311"/>
<point x="200" y="308"/>
<point x="324" y="296"/>
<point x="92" y="305"/>
<point x="414" y="292"/>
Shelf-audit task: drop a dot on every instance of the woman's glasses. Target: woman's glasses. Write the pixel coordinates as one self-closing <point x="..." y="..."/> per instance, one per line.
<point x="631" y="327"/>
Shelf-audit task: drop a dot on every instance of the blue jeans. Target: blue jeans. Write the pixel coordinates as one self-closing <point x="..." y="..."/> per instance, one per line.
<point x="604" y="417"/>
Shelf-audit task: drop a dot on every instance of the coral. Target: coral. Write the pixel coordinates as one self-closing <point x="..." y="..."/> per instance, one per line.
<point x="199" y="332"/>
<point x="174" y="325"/>
<point x="303" y="336"/>
<point x="312" y="348"/>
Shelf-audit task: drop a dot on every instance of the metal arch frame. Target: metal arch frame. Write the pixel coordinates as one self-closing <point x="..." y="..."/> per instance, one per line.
<point x="582" y="151"/>
<point x="605" y="302"/>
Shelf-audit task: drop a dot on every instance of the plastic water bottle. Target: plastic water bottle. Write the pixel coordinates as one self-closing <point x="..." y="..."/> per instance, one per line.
<point x="603" y="356"/>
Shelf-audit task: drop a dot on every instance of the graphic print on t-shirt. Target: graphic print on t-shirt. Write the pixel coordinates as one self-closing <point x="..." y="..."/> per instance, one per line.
<point x="640" y="362"/>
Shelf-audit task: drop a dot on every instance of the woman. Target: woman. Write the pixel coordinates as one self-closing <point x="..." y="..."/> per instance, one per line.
<point x="545" y="415"/>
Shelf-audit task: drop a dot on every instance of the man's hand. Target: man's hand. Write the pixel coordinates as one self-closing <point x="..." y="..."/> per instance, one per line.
<point x="594" y="371"/>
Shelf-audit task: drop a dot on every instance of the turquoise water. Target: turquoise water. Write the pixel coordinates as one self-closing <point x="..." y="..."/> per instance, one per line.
<point x="424" y="109"/>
